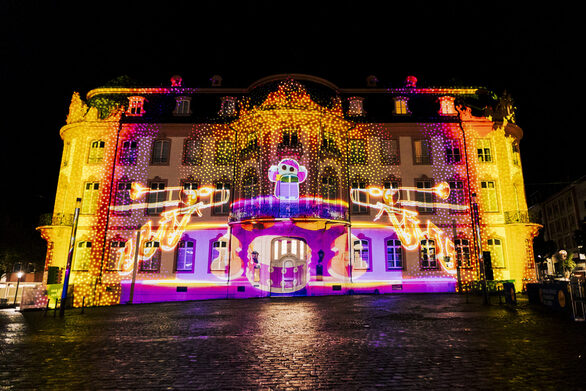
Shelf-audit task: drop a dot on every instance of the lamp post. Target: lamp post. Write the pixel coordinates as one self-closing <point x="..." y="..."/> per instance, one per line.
<point x="19" y="275"/>
<point x="481" y="269"/>
<point x="69" y="258"/>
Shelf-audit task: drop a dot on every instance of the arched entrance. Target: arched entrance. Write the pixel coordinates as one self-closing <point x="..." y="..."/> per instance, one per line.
<point x="288" y="271"/>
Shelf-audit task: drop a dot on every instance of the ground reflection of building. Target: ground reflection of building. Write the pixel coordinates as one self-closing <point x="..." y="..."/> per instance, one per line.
<point x="292" y="186"/>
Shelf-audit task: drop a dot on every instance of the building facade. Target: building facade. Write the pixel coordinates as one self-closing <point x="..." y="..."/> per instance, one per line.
<point x="291" y="186"/>
<point x="562" y="214"/>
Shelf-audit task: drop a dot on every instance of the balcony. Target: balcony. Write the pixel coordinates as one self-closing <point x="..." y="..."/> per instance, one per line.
<point x="58" y="219"/>
<point x="516" y="216"/>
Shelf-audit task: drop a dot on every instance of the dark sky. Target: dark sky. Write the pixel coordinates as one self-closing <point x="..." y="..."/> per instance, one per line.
<point x="49" y="49"/>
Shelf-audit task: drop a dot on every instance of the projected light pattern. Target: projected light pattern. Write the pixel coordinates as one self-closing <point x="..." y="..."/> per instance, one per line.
<point x="172" y="223"/>
<point x="288" y="190"/>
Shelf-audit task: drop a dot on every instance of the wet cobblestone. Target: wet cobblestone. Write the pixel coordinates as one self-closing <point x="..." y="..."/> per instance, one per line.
<point x="331" y="343"/>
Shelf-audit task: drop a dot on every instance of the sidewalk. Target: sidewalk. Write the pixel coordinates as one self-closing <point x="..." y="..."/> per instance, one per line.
<point x="428" y="341"/>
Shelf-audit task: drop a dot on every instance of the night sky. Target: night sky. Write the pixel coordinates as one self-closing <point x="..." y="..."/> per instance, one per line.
<point x="49" y="49"/>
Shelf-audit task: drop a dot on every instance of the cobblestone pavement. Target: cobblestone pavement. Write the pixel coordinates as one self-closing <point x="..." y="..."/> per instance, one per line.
<point x="337" y="343"/>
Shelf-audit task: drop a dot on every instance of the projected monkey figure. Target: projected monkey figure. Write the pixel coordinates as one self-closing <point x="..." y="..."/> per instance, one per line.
<point x="287" y="175"/>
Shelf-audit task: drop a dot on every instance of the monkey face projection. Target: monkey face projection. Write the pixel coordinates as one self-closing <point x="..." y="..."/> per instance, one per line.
<point x="287" y="175"/>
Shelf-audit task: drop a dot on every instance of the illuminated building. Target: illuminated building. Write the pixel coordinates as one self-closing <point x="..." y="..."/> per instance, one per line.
<point x="291" y="186"/>
<point x="562" y="214"/>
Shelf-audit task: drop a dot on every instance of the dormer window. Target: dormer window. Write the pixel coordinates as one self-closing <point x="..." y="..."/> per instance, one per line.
<point x="135" y="106"/>
<point x="228" y="107"/>
<point x="182" y="105"/>
<point x="355" y="106"/>
<point x="401" y="107"/>
<point x="447" y="105"/>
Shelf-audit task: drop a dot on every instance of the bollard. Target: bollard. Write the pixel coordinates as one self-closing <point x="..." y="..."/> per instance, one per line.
<point x="500" y="292"/>
<point x="83" y="304"/>
<point x="46" y="308"/>
<point x="55" y="308"/>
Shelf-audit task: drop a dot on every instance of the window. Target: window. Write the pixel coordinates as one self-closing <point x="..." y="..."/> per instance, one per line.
<point x="489" y="197"/>
<point x="495" y="246"/>
<point x="483" y="150"/>
<point x="355" y="106"/>
<point x="361" y="197"/>
<point x="153" y="263"/>
<point x="252" y="141"/>
<point x="129" y="152"/>
<point x="516" y="154"/>
<point x="222" y="209"/>
<point x="462" y="252"/>
<point x="122" y="196"/>
<point x="219" y="255"/>
<point x="82" y="255"/>
<point x="389" y="151"/>
<point x="424" y="196"/>
<point x="401" y="107"/>
<point x="394" y="254"/>
<point x="329" y="185"/>
<point x="357" y="151"/>
<point x="421" y="152"/>
<point x="250" y="186"/>
<point x="91" y="195"/>
<point x="290" y="137"/>
<point x="223" y="152"/>
<point x="66" y="153"/>
<point x="135" y="106"/>
<point x="185" y="252"/>
<point x="116" y="249"/>
<point x="329" y="141"/>
<point x="453" y="152"/>
<point x="249" y="191"/>
<point x="161" y="150"/>
<point x="428" y="260"/>
<point x="447" y="105"/>
<point x="182" y="105"/>
<point x="391" y="184"/>
<point x="228" y="106"/>
<point x="156" y="198"/>
<point x="457" y="195"/>
<point x="192" y="152"/>
<point x="96" y="154"/>
<point x="362" y="254"/>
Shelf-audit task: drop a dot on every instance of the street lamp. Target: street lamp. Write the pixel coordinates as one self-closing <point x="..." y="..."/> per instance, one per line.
<point x="19" y="275"/>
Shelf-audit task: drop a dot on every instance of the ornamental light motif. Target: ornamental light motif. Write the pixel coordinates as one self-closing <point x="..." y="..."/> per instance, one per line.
<point x="405" y="222"/>
<point x="172" y="224"/>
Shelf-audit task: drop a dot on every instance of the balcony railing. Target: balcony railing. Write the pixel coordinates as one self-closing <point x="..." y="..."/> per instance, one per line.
<point x="63" y="219"/>
<point x="516" y="216"/>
